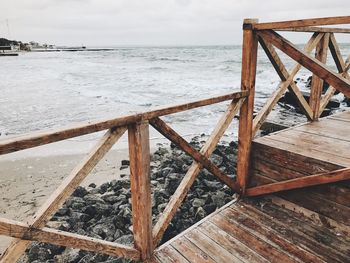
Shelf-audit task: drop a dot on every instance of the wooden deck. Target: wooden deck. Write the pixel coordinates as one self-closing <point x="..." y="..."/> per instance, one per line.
<point x="304" y="225"/>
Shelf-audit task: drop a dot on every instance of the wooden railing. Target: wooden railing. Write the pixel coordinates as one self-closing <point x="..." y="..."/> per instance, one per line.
<point x="322" y="39"/>
<point x="146" y="236"/>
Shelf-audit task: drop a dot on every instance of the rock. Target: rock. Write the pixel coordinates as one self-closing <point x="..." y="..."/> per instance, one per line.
<point x="93" y="199"/>
<point x="104" y="230"/>
<point x="92" y="185"/>
<point x="125" y="240"/>
<point x="78" y="217"/>
<point x="75" y="202"/>
<point x="216" y="159"/>
<point x="80" y="191"/>
<point x="219" y="199"/>
<point x="172" y="181"/>
<point x="38" y="252"/>
<point x="198" y="202"/>
<point x="200" y="214"/>
<point x="125" y="162"/>
<point x="69" y="255"/>
<point x="103" y="188"/>
<point x="212" y="185"/>
<point x="124" y="167"/>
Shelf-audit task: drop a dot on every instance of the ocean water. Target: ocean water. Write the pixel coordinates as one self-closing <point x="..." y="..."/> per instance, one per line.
<point x="47" y="90"/>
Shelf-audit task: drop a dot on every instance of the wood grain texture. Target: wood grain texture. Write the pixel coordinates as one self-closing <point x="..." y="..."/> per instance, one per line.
<point x="316" y="29"/>
<point x="317" y="83"/>
<point x="56" y="237"/>
<point x="312" y="64"/>
<point x="139" y="153"/>
<point x="304" y="23"/>
<point x="173" y="136"/>
<point x="67" y="187"/>
<point x="45" y="137"/>
<point x="245" y="129"/>
<point x="317" y="179"/>
<point x="193" y="171"/>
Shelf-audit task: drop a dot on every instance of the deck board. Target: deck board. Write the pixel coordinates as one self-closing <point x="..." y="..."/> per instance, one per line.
<point x="305" y="225"/>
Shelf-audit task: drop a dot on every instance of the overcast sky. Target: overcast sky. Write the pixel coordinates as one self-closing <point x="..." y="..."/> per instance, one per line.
<point x="149" y="22"/>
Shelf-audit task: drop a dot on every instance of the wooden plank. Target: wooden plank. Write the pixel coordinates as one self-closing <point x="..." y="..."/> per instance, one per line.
<point x="336" y="20"/>
<point x="193" y="171"/>
<point x="319" y="205"/>
<point x="60" y="238"/>
<point x="191" y="252"/>
<point x="217" y="252"/>
<point x="245" y="129"/>
<point x="67" y="187"/>
<point x="329" y="145"/>
<point x="231" y="244"/>
<point x="289" y="225"/>
<point x="173" y="136"/>
<point x="316" y="29"/>
<point x="312" y="64"/>
<point x="170" y="255"/>
<point x="317" y="83"/>
<point x="270" y="235"/>
<point x="331" y="128"/>
<point x="323" y="178"/>
<point x="291" y="155"/>
<point x="287" y="81"/>
<point x="139" y="152"/>
<point x="45" y="137"/>
<point x="266" y="250"/>
<point x="333" y="226"/>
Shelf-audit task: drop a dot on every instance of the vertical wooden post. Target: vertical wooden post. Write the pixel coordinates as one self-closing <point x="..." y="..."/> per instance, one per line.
<point x="249" y="59"/>
<point x="317" y="83"/>
<point x="139" y="152"/>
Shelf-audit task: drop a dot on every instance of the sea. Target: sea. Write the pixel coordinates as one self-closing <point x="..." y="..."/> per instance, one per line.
<point x="44" y="90"/>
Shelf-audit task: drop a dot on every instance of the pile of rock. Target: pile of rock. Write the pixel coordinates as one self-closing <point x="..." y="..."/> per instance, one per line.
<point x="104" y="212"/>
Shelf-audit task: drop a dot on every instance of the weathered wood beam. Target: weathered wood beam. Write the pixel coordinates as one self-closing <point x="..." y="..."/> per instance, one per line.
<point x="173" y="136"/>
<point x="193" y="171"/>
<point x="303" y="23"/>
<point x="139" y="152"/>
<point x="287" y="80"/>
<point x="67" y="187"/>
<point x="60" y="238"/>
<point x="341" y="66"/>
<point x="317" y="179"/>
<point x="317" y="83"/>
<point x="312" y="64"/>
<point x="316" y="29"/>
<point x="248" y="76"/>
<point x="45" y="137"/>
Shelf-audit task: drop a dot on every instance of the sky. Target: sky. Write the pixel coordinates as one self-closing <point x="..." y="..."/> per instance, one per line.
<point x="149" y="22"/>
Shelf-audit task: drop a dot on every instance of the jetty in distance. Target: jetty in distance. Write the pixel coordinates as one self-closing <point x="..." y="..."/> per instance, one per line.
<point x="293" y="186"/>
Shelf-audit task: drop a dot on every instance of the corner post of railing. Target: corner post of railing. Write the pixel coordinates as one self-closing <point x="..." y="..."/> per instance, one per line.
<point x="248" y="75"/>
<point x="317" y="82"/>
<point x="139" y="151"/>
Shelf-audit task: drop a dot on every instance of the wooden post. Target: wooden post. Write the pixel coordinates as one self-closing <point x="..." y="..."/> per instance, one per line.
<point x="249" y="59"/>
<point x="317" y="83"/>
<point x="139" y="151"/>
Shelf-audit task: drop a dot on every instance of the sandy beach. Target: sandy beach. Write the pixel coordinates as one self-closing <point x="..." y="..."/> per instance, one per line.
<point x="26" y="183"/>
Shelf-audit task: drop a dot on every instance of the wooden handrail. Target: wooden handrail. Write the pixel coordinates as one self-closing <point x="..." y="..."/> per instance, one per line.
<point x="45" y="137"/>
<point x="303" y="23"/>
<point x="314" y="29"/>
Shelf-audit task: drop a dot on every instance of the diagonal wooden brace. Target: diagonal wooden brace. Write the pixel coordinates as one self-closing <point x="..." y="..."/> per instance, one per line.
<point x="173" y="136"/>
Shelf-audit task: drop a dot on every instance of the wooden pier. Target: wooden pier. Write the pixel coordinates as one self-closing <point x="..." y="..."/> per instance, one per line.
<point x="303" y="225"/>
<point x="292" y="186"/>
